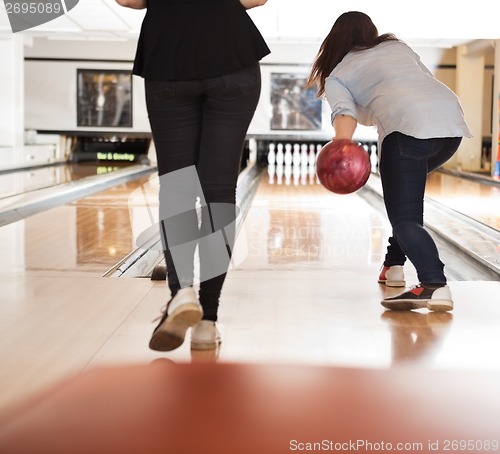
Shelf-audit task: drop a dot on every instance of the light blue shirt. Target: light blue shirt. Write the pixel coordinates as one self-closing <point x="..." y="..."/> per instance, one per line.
<point x="388" y="86"/>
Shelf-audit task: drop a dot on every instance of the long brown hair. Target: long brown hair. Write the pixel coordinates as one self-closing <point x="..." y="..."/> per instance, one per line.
<point x="351" y="31"/>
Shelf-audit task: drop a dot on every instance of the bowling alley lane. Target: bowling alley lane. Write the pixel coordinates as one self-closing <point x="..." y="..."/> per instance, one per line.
<point x="477" y="200"/>
<point x="29" y="190"/>
<point x="303" y="289"/>
<point x="308" y="287"/>
<point x="86" y="236"/>
<point x="30" y="179"/>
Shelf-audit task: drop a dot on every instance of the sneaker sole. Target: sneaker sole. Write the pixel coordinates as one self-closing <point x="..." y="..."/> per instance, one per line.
<point x="408" y="305"/>
<point x="440" y="305"/>
<point x="205" y="345"/>
<point x="393" y="283"/>
<point x="170" y="335"/>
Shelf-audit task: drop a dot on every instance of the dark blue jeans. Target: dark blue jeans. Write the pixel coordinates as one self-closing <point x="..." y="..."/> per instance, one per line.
<point x="200" y="125"/>
<point x="404" y="165"/>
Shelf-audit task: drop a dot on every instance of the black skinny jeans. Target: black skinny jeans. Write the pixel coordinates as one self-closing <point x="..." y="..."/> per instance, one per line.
<point x="199" y="129"/>
<point x="404" y="165"/>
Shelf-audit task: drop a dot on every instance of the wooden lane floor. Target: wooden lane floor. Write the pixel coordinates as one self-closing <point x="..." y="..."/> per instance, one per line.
<point x="308" y="286"/>
<point x="86" y="236"/>
<point x="22" y="199"/>
<point x="56" y="309"/>
<point x="27" y="180"/>
<point x="303" y="291"/>
<point x="464" y="225"/>
<point x="479" y="201"/>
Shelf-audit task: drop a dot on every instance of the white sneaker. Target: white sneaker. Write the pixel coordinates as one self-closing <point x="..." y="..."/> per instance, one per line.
<point x="392" y="276"/>
<point x="205" y="336"/>
<point x="181" y="312"/>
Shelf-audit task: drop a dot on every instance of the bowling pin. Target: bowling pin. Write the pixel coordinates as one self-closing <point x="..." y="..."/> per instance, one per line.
<point x="271" y="156"/>
<point x="304" y="159"/>
<point x="288" y="155"/>
<point x="279" y="154"/>
<point x="312" y="170"/>
<point x="312" y="177"/>
<point x="279" y="174"/>
<point x="296" y="175"/>
<point x="318" y="149"/>
<point x="271" y="169"/>
<point x="303" y="174"/>
<point x="312" y="156"/>
<point x="296" y="155"/>
<point x="374" y="158"/>
<point x="288" y="174"/>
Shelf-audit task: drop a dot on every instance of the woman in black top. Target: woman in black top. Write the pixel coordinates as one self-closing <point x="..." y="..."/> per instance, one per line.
<point x="200" y="62"/>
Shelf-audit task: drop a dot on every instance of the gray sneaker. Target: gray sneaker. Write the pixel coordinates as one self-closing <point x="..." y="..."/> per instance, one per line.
<point x="421" y="296"/>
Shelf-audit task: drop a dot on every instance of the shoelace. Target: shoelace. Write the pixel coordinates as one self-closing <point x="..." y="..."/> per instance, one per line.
<point x="162" y="313"/>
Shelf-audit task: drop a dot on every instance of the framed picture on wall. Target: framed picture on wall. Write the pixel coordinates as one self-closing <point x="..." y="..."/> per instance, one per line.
<point x="104" y="98"/>
<point x="294" y="107"/>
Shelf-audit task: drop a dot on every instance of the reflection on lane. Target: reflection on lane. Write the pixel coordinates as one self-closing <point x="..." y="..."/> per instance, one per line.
<point x="476" y="200"/>
<point x="85" y="236"/>
<point x="29" y="180"/>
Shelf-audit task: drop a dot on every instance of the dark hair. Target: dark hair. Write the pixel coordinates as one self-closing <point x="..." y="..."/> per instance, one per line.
<point x="352" y="31"/>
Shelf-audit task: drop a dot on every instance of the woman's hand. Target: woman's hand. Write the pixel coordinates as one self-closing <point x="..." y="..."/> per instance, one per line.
<point x="251" y="3"/>
<point x="135" y="4"/>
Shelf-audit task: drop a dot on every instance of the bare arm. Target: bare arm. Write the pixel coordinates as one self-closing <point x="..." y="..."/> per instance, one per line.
<point x="251" y="3"/>
<point x="344" y="126"/>
<point x="135" y="4"/>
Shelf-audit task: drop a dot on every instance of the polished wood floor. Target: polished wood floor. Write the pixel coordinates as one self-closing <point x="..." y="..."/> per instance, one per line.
<point x="478" y="201"/>
<point x="12" y="183"/>
<point x="303" y="291"/>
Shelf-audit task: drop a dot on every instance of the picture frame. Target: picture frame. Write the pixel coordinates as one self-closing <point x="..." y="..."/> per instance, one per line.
<point x="104" y="98"/>
<point x="293" y="106"/>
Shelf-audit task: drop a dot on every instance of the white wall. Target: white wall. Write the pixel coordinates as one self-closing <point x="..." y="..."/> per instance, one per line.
<point x="50" y="89"/>
<point x="51" y="81"/>
<point x="11" y="94"/>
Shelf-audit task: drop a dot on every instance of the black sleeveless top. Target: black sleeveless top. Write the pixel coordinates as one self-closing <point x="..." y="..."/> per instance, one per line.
<point x="196" y="39"/>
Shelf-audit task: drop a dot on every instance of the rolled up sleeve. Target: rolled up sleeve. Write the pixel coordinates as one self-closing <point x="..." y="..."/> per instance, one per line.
<point x="339" y="98"/>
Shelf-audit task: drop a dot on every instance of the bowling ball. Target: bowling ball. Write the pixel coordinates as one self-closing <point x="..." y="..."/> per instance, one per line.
<point x="343" y="166"/>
